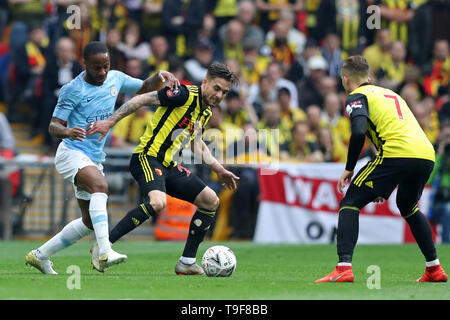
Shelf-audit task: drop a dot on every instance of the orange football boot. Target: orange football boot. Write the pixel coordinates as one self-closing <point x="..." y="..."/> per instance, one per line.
<point x="339" y="274"/>
<point x="433" y="274"/>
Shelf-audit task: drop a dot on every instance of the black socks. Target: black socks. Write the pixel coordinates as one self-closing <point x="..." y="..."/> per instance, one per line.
<point x="200" y="223"/>
<point x="133" y="219"/>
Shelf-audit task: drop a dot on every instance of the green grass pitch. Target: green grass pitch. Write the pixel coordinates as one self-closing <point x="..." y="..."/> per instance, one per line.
<point x="264" y="272"/>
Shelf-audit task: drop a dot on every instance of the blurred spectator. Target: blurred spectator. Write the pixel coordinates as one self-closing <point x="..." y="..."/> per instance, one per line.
<point x="299" y="68"/>
<point x="244" y="205"/>
<point x="309" y="85"/>
<point x="379" y="52"/>
<point x="289" y="114"/>
<point x="176" y="67"/>
<point x="327" y="85"/>
<point x="332" y="148"/>
<point x="281" y="50"/>
<point x="313" y="117"/>
<point x="132" y="45"/>
<point x="116" y="56"/>
<point x="440" y="17"/>
<point x="236" y="111"/>
<point x="158" y="60"/>
<point x="295" y="38"/>
<point x="219" y="135"/>
<point x="128" y="131"/>
<point x="181" y="21"/>
<point x="263" y="92"/>
<point x="28" y="66"/>
<point x="277" y="72"/>
<point x="134" y="8"/>
<point x="424" y="118"/>
<point x="222" y="10"/>
<point x="151" y="18"/>
<point x="270" y="10"/>
<point x="396" y="15"/>
<point x="4" y="15"/>
<point x="197" y="66"/>
<point x="440" y="180"/>
<point x="392" y="72"/>
<point x="332" y="53"/>
<point x="420" y="32"/>
<point x="29" y="11"/>
<point x="410" y="95"/>
<point x="231" y="46"/>
<point x="208" y="31"/>
<point x="270" y="121"/>
<point x="107" y="15"/>
<point x="60" y="69"/>
<point x="243" y="86"/>
<point x="254" y="63"/>
<point x="346" y="19"/>
<point x="332" y="117"/>
<point x="437" y="71"/>
<point x="299" y="149"/>
<point x="88" y="32"/>
<point x="246" y="15"/>
<point x="412" y="83"/>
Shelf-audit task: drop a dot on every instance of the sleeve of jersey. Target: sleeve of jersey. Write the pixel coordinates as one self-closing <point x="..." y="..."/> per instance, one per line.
<point x="357" y="108"/>
<point x="130" y="85"/>
<point x="169" y="97"/>
<point x="67" y="101"/>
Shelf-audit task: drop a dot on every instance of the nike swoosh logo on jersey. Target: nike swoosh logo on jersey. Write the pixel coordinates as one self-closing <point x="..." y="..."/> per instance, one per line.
<point x="338" y="277"/>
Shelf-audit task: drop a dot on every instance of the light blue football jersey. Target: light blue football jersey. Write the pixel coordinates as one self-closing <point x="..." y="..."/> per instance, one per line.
<point x="81" y="103"/>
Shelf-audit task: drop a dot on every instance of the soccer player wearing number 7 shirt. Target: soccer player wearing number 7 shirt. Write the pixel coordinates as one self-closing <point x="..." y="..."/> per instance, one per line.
<point x="91" y="96"/>
<point x="405" y="158"/>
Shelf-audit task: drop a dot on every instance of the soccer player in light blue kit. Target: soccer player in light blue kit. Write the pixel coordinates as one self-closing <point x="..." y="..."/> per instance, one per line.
<point x="90" y="97"/>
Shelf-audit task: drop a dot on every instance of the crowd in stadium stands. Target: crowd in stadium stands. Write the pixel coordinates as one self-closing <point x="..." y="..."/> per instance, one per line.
<point x="287" y="55"/>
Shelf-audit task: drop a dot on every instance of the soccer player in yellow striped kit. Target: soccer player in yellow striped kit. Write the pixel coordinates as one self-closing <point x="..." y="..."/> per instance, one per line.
<point x="405" y="158"/>
<point x="182" y="114"/>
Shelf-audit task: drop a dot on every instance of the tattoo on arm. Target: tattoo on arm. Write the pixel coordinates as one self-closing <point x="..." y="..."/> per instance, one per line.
<point x="150" y="84"/>
<point x="146" y="99"/>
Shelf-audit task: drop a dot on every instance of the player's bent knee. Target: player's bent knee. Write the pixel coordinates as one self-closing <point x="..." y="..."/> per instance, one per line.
<point x="207" y="199"/>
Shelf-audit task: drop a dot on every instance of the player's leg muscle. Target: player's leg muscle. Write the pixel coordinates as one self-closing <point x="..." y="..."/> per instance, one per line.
<point x="92" y="180"/>
<point x="158" y="200"/>
<point x="207" y="199"/>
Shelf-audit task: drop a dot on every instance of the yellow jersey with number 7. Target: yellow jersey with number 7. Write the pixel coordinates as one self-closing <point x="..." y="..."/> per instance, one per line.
<point x="392" y="127"/>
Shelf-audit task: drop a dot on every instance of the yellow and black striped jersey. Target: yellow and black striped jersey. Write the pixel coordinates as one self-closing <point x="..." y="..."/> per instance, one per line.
<point x="175" y="123"/>
<point x="392" y="127"/>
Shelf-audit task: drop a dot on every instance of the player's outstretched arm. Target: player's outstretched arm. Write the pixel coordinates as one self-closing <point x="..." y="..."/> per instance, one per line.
<point x="147" y="99"/>
<point x="228" y="178"/>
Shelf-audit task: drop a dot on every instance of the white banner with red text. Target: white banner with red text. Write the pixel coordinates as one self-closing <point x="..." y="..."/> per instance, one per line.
<point x="299" y="203"/>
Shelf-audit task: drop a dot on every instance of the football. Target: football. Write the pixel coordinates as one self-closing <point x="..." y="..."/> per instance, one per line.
<point x="219" y="261"/>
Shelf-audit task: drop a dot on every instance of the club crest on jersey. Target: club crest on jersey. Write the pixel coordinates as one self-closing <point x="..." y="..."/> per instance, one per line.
<point x="170" y="93"/>
<point x="113" y="91"/>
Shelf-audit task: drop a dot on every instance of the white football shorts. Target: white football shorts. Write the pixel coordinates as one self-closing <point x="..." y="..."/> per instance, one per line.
<point x="68" y="162"/>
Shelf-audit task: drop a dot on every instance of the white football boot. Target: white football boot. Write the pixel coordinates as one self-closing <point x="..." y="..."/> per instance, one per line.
<point x="43" y="265"/>
<point x="110" y="258"/>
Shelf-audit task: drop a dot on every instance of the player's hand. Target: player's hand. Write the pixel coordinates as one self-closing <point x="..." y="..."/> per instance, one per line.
<point x="101" y="127"/>
<point x="168" y="79"/>
<point x="345" y="178"/>
<point x="229" y="179"/>
<point x="76" y="133"/>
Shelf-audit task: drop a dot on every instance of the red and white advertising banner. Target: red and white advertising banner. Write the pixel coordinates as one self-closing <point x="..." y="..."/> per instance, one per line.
<point x="299" y="203"/>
